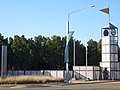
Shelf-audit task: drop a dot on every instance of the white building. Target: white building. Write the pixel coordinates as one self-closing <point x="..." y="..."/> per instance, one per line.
<point x="109" y="67"/>
<point x="109" y="34"/>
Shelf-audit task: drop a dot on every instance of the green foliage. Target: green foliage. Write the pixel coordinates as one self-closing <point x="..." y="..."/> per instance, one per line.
<point x="43" y="53"/>
<point x="40" y="53"/>
<point x="93" y="54"/>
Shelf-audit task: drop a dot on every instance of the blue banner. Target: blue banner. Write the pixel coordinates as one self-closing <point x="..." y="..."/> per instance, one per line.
<point x="66" y="54"/>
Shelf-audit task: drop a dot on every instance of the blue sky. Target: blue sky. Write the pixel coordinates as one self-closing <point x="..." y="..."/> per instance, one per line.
<point x="48" y="17"/>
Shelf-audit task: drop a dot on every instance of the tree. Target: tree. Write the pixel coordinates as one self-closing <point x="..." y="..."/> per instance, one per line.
<point x="55" y="51"/>
<point x="43" y="53"/>
<point x="80" y="54"/>
<point x="20" y="52"/>
<point x="99" y="51"/>
<point x="93" y="55"/>
<point x="10" y="58"/>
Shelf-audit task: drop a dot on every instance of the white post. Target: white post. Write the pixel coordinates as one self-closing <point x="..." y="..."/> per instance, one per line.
<point x="67" y="57"/>
<point x="67" y="73"/>
<point x="4" y="62"/>
<point x="74" y="52"/>
<point x="74" y="56"/>
<point x="86" y="61"/>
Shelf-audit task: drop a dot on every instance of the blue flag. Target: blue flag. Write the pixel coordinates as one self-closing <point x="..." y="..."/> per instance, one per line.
<point x="70" y="36"/>
<point x="66" y="55"/>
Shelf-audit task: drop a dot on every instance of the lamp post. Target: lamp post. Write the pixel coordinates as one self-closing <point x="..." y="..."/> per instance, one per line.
<point x="67" y="33"/>
<point x="86" y="60"/>
<point x="74" y="55"/>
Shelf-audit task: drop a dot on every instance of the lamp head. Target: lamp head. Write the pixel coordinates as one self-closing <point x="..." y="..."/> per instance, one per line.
<point x="92" y="6"/>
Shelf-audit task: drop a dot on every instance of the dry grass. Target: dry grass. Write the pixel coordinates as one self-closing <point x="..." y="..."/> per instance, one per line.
<point x="29" y="79"/>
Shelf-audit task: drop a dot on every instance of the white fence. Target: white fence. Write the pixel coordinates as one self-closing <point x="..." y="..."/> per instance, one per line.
<point x="54" y="73"/>
<point x="90" y="72"/>
<point x="80" y="72"/>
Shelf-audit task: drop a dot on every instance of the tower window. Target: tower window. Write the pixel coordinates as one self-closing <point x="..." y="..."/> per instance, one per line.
<point x="105" y="32"/>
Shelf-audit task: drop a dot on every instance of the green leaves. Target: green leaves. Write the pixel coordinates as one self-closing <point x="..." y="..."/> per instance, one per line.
<point x="93" y="53"/>
<point x="43" y="53"/>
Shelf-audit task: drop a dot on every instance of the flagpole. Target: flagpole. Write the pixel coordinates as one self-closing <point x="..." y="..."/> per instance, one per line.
<point x="109" y="14"/>
<point x="106" y="10"/>
<point x="109" y="40"/>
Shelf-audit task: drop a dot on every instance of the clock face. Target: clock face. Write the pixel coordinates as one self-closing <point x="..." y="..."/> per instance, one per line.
<point x="105" y="32"/>
<point x="113" y="32"/>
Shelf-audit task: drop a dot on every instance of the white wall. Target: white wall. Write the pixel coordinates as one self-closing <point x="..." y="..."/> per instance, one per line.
<point x="93" y="72"/>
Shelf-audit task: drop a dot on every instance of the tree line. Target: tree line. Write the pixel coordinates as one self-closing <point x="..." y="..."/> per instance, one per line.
<point x="47" y="53"/>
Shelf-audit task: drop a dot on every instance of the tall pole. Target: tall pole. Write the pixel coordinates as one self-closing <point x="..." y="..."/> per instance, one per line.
<point x="4" y="62"/>
<point x="74" y="56"/>
<point x="67" y="52"/>
<point x="86" y="61"/>
<point x="67" y="33"/>
<point x="74" y="52"/>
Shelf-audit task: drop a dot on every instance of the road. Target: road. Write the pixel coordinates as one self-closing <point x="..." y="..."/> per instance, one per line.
<point x="64" y="86"/>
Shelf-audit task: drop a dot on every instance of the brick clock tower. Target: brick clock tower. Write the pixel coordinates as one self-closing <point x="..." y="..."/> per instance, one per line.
<point x="110" y="64"/>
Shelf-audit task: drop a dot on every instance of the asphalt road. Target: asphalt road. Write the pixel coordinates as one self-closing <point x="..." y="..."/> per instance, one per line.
<point x="64" y="86"/>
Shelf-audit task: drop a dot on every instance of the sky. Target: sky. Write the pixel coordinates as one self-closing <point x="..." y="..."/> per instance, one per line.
<point x="48" y="17"/>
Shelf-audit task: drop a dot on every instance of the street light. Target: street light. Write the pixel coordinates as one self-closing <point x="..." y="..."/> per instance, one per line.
<point x="67" y="33"/>
<point x="86" y="59"/>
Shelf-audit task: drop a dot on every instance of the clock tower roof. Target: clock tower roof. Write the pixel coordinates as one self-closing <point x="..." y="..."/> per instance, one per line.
<point x="109" y="26"/>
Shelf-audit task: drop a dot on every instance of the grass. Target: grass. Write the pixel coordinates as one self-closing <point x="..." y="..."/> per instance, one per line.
<point x="29" y="79"/>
